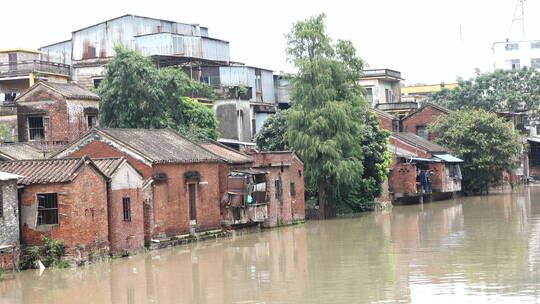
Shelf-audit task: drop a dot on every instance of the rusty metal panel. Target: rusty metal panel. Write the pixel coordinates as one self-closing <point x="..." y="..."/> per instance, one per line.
<point x="159" y="44"/>
<point x="59" y="52"/>
<point x="232" y="76"/>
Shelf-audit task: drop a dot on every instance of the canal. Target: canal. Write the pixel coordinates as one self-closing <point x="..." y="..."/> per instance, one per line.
<point x="467" y="250"/>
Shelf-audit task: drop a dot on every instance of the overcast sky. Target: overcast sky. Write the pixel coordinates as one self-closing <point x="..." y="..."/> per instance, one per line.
<point x="429" y="41"/>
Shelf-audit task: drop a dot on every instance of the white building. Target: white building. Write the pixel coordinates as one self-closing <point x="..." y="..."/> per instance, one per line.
<point x="512" y="55"/>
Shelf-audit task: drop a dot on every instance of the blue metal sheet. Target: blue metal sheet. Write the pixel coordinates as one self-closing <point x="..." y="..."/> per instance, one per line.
<point x="430" y="160"/>
<point x="448" y="158"/>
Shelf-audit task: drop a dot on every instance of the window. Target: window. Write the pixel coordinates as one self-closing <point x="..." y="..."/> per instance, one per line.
<point x="422" y="132"/>
<point x="300" y="173"/>
<point x="91" y="52"/>
<point x="535" y="45"/>
<point x="92" y="121"/>
<point x="454" y="171"/>
<point x="535" y="63"/>
<point x="47" y="209"/>
<point x="127" y="209"/>
<point x="513" y="64"/>
<point x="293" y="190"/>
<point x="97" y="81"/>
<point x="36" y="128"/>
<point x="369" y="95"/>
<point x="511" y="46"/>
<point x="277" y="184"/>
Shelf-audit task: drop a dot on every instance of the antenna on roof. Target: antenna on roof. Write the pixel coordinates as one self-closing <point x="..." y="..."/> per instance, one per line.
<point x="519" y="16"/>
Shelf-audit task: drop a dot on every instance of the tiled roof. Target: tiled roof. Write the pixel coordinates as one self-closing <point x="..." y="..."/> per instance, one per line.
<point x="68" y="90"/>
<point x="226" y="153"/>
<point x="418" y="142"/>
<point x="161" y="145"/>
<point x="72" y="91"/>
<point x="397" y="151"/>
<point x="44" y="171"/>
<point x="382" y="113"/>
<point x="18" y="151"/>
<point x="434" y="105"/>
<point x="108" y="165"/>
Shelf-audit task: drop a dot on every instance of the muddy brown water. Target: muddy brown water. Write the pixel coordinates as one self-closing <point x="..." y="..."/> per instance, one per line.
<point x="467" y="250"/>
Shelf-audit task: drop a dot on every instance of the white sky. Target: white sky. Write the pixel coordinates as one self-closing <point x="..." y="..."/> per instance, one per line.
<point x="420" y="38"/>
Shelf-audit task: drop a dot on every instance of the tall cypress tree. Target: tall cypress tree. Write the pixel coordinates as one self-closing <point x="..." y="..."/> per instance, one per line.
<point x="325" y="126"/>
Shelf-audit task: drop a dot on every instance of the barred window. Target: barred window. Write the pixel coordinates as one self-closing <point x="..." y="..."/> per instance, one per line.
<point x="127" y="209"/>
<point x="47" y="209"/>
<point x="36" y="128"/>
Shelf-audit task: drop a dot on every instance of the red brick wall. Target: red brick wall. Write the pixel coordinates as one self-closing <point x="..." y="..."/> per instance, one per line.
<point x="285" y="210"/>
<point x="6" y="259"/>
<point x="402" y="178"/>
<point x="422" y="118"/>
<point x="437" y="175"/>
<point x="98" y="149"/>
<point x="82" y="205"/>
<point x="297" y="177"/>
<point x="126" y="236"/>
<point x="386" y="123"/>
<point x="63" y="124"/>
<point x="171" y="205"/>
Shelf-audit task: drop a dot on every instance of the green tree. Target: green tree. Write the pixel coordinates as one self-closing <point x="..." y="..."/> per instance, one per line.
<point x="136" y="94"/>
<point x="272" y="136"/>
<point x="130" y="93"/>
<point x="325" y="125"/>
<point x="487" y="144"/>
<point x="502" y="90"/>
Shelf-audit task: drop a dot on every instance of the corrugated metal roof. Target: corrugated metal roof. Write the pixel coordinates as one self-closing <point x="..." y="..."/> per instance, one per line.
<point x="44" y="171"/>
<point x="18" y="151"/>
<point x="448" y="158"/>
<point x="226" y="153"/>
<point x="161" y="145"/>
<point x="8" y="176"/>
<point x="108" y="165"/>
<point x="419" y="142"/>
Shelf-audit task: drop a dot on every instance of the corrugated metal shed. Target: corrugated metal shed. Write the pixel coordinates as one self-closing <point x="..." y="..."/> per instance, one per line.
<point x="58" y="52"/>
<point x="267" y="79"/>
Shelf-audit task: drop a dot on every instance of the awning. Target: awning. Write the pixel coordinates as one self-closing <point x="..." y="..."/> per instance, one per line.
<point x="448" y="158"/>
<point x="534" y="139"/>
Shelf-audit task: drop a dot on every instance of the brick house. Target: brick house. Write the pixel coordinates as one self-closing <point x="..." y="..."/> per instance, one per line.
<point x="55" y="113"/>
<point x="9" y="221"/>
<point x="63" y="199"/>
<point x="417" y="121"/>
<point x="125" y="204"/>
<point x="387" y="121"/>
<point x="285" y="185"/>
<point x="243" y="190"/>
<point x="184" y="192"/>
<point x="411" y="153"/>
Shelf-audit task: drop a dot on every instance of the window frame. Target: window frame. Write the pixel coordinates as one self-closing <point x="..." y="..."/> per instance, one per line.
<point x="30" y="129"/>
<point x="88" y="121"/>
<point x="293" y="190"/>
<point x="41" y="210"/>
<point x="511" y="46"/>
<point x="424" y="131"/>
<point x="126" y="209"/>
<point x="535" y="63"/>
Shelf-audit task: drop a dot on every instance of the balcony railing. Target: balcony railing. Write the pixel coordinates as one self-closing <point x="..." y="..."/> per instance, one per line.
<point x="22" y="68"/>
<point x="397" y="106"/>
<point x="382" y="72"/>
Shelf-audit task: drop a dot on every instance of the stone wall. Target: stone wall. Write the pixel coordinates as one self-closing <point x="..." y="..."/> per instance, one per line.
<point x="9" y="223"/>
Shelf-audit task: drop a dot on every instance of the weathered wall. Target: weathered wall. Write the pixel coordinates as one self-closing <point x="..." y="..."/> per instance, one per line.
<point x="422" y="118"/>
<point x="234" y="119"/>
<point x="84" y="72"/>
<point x="82" y="207"/>
<point x="297" y="177"/>
<point x="58" y="52"/>
<point x="9" y="221"/>
<point x="171" y="204"/>
<point x="63" y="120"/>
<point x="402" y="179"/>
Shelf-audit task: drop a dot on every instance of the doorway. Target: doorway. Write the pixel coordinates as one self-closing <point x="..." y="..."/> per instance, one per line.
<point x="192" y="193"/>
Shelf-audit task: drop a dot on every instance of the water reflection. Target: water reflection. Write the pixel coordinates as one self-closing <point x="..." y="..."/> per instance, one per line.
<point x="478" y="249"/>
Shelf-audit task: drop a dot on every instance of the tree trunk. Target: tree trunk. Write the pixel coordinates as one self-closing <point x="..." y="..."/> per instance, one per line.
<point x="322" y="200"/>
